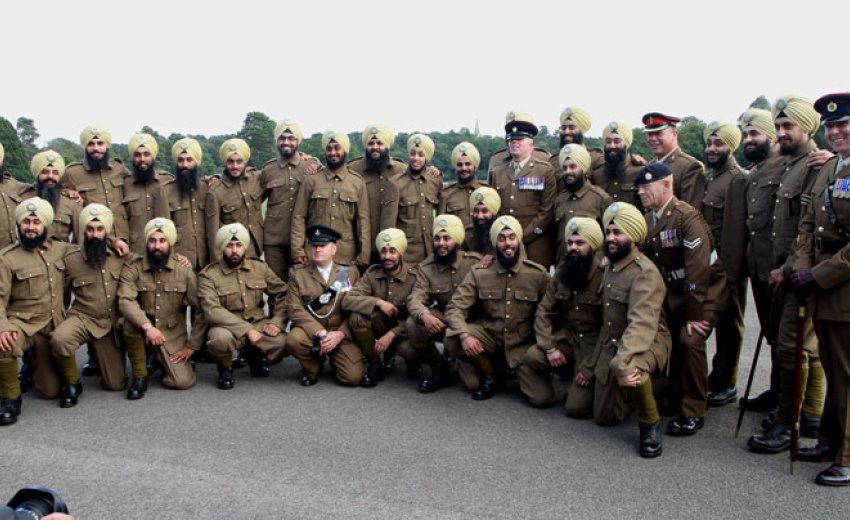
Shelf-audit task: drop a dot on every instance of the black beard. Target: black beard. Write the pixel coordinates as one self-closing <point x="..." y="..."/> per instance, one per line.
<point x="576" y="139"/>
<point x="143" y="176"/>
<point x="574" y="271"/>
<point x="621" y="253"/>
<point x="449" y="259"/>
<point x="506" y="262"/>
<point x="98" y="165"/>
<point x="50" y="193"/>
<point x="233" y="264"/>
<point x="158" y="260"/>
<point x="481" y="234"/>
<point x="463" y="181"/>
<point x="615" y="162"/>
<point x="759" y="153"/>
<point x="377" y="165"/>
<point x="95" y="249"/>
<point x="187" y="180"/>
<point x="788" y="149"/>
<point x="287" y="155"/>
<point x="335" y="165"/>
<point x="232" y="177"/>
<point x="31" y="243"/>
<point x="718" y="164"/>
<point x="576" y="185"/>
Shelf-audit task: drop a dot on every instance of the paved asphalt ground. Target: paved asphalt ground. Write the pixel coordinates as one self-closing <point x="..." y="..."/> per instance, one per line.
<point x="272" y="449"/>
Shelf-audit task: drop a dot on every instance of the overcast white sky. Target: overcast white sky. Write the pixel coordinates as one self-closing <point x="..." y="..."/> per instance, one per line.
<point x="434" y="65"/>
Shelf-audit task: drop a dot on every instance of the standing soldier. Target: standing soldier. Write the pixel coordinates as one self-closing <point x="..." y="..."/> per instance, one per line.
<point x="437" y="277"/>
<point x="12" y="192"/>
<point x="569" y="317"/>
<point x="575" y="122"/>
<point x="48" y="167"/>
<point x="32" y="276"/>
<point x="617" y="176"/>
<point x="153" y="295"/>
<point x="186" y="196"/>
<point x="319" y="326"/>
<point x="378" y="307"/>
<point x="507" y="293"/>
<point x="663" y="138"/>
<point x="485" y="204"/>
<point x="454" y="199"/>
<point x="527" y="188"/>
<point x="231" y="293"/>
<point x="335" y="198"/>
<point x="237" y="198"/>
<point x="144" y="197"/>
<point x="682" y="248"/>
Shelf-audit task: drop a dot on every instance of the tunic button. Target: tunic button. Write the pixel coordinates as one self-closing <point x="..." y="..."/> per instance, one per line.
<point x="820" y="229"/>
<point x="507" y="315"/>
<point x="511" y="211"/>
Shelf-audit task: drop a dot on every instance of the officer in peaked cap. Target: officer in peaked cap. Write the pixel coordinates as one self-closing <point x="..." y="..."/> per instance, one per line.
<point x="663" y="138"/>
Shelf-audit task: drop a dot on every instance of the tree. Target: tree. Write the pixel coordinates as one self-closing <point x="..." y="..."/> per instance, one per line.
<point x="690" y="137"/>
<point x="69" y="150"/>
<point x="15" y="160"/>
<point x="258" y="132"/>
<point x="28" y="135"/>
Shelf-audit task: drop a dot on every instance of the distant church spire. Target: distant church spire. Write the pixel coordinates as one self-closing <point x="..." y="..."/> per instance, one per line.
<point x="477" y="131"/>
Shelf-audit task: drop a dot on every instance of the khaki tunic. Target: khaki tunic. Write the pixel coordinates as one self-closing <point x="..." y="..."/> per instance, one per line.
<point x="281" y="180"/>
<point x="188" y="214"/>
<point x="143" y="202"/>
<point x="376" y="284"/>
<point x="622" y="187"/>
<point x="418" y="200"/>
<point x="762" y="184"/>
<point x="236" y="200"/>
<point x="12" y="193"/>
<point x="101" y="187"/>
<point x="793" y="194"/>
<point x="436" y="283"/>
<point x="454" y="200"/>
<point x="66" y="220"/>
<point x="589" y="201"/>
<point x="530" y="198"/>
<point x="503" y="154"/>
<point x="95" y="291"/>
<point x="688" y="177"/>
<point x="382" y="193"/>
<point x="722" y="204"/>
<point x="337" y="200"/>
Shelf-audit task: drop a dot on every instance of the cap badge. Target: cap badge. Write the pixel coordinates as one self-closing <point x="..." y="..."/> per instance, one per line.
<point x="94" y="211"/>
<point x="51" y="156"/>
<point x="479" y="197"/>
<point x="159" y="224"/>
<point x="94" y="131"/>
<point x="648" y="176"/>
<point x="234" y="230"/>
<point x="781" y="104"/>
<point x="462" y="148"/>
<point x="374" y="130"/>
<point x="417" y="141"/>
<point x="386" y="237"/>
<point x="613" y="208"/>
<point x="232" y="147"/>
<point x="317" y="233"/>
<point x="443" y="222"/>
<point x="184" y="146"/>
<point x="511" y="116"/>
<point x="573" y="226"/>
<point x="613" y="126"/>
<point x="714" y="126"/>
<point x="831" y="107"/>
<point x="31" y="206"/>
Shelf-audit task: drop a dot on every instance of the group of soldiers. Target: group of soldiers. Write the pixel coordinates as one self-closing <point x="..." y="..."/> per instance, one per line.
<point x="355" y="262"/>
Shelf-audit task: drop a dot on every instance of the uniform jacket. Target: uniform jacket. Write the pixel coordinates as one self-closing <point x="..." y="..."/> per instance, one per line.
<point x="688" y="178"/>
<point x="454" y="200"/>
<point x="418" y="200"/>
<point x="236" y="200"/>
<point x="436" y="283"/>
<point x="382" y="193"/>
<point x="377" y="284"/>
<point x="101" y="187"/>
<point x="143" y="202"/>
<point x="793" y="194"/>
<point x="95" y="289"/>
<point x="189" y="216"/>
<point x="306" y="286"/>
<point x="762" y="184"/>
<point x="31" y="286"/>
<point x="724" y="207"/>
<point x="281" y="179"/>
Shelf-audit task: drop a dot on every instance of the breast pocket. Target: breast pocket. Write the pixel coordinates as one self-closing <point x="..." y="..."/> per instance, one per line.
<point x="146" y="296"/>
<point x="173" y="293"/>
<point x="256" y="288"/>
<point x="30" y="284"/>
<point x="230" y="299"/>
<point x="407" y="215"/>
<point x="319" y="202"/>
<point x="348" y="200"/>
<point x="492" y="301"/>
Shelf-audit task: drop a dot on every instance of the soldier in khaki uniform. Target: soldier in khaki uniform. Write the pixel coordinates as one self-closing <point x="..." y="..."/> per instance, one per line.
<point x="32" y="275"/>
<point x="723" y="208"/>
<point x="527" y="188"/>
<point x="507" y="293"/>
<point x="577" y="196"/>
<point x="454" y="198"/>
<point x="153" y="296"/>
<point x="335" y="198"/>
<point x="663" y="138"/>
<point x="681" y="245"/>
<point x="319" y="326"/>
<point x="569" y="316"/>
<point x="378" y="307"/>
<point x="237" y="197"/>
<point x="48" y="167"/>
<point x="437" y="277"/>
<point x="281" y="179"/>
<point x="617" y="174"/>
<point x="485" y="204"/>
<point x="418" y="199"/>
<point x="822" y="266"/>
<point x="575" y="122"/>
<point x="92" y="271"/>
<point x="187" y="194"/>
<point x="634" y="344"/>
<point x="144" y="197"/>
<point x="99" y="179"/>
<point x="231" y="294"/>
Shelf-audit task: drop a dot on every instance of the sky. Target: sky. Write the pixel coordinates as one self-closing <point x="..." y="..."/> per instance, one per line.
<point x="196" y="67"/>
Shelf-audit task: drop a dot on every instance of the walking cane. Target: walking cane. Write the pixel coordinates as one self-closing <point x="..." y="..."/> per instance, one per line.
<point x="749" y="381"/>
<point x="798" y="382"/>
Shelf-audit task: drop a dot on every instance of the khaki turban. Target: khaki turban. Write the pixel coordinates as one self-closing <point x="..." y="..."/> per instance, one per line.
<point x="163" y="225"/>
<point x="423" y="142"/>
<point x="518" y="115"/>
<point x="234" y="146"/>
<point x="628" y="218"/>
<point x="487" y="196"/>
<point x="35" y="206"/>
<point x="469" y="150"/>
<point x="2" y="153"/>
<point x="729" y="133"/>
<point x="392" y="237"/>
<point x="384" y="134"/>
<point x="292" y="126"/>
<point x="145" y="140"/>
<point x="92" y="131"/>
<point x="578" y="116"/>
<point x="96" y="212"/>
<point x="578" y="154"/>
<point x="587" y="228"/>
<point x="190" y="146"/>
<point x="800" y="110"/>
<point x="44" y="159"/>
<point x="229" y="232"/>
<point x="338" y="136"/>
<point x="452" y="225"/>
<point x="762" y="120"/>
<point x="503" y="222"/>
<point x="620" y="128"/>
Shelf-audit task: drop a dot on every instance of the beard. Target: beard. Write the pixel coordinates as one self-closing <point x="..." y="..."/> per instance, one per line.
<point x="101" y="164"/>
<point x="574" y="139"/>
<point x="481" y="234"/>
<point x="574" y="270"/>
<point x="50" y="193"/>
<point x="95" y="249"/>
<point x="719" y="163"/>
<point x="31" y="243"/>
<point x="233" y="262"/>
<point x="379" y="164"/>
<point x="507" y="262"/>
<point x="234" y="177"/>
<point x="187" y="180"/>
<point x="335" y="165"/>
<point x="143" y="176"/>
<point x="576" y="185"/>
<point x="288" y="154"/>
<point x="621" y="253"/>
<point x="788" y="149"/>
<point x="449" y="259"/>
<point x="158" y="259"/>
<point x="615" y="162"/>
<point x="757" y="154"/>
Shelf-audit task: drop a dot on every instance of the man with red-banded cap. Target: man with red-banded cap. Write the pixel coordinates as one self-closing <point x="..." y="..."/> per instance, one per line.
<point x="663" y="138"/>
<point x="454" y="199"/>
